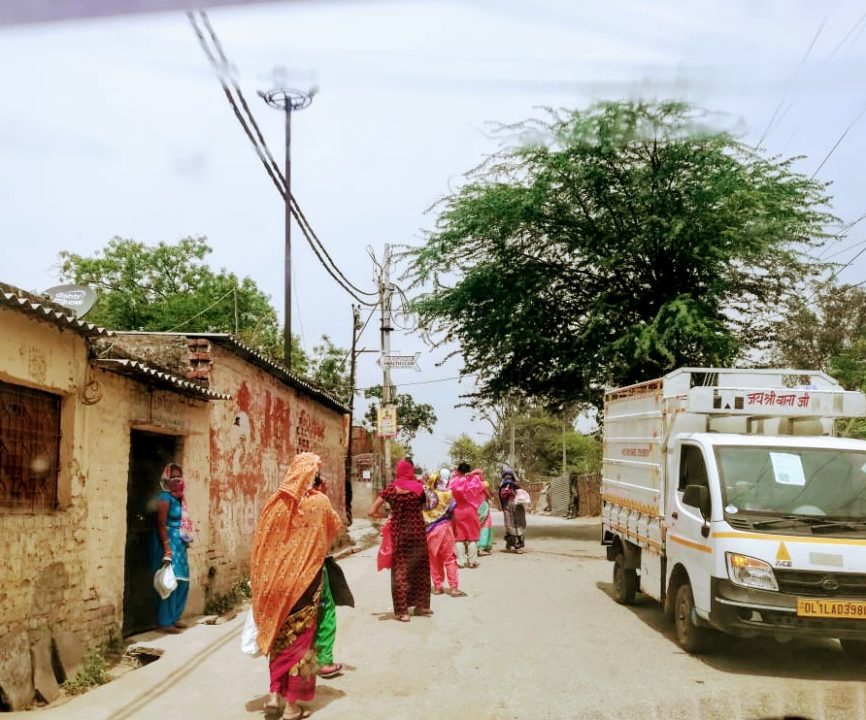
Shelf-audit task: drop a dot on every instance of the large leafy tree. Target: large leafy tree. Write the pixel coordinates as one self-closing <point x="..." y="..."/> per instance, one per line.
<point x="612" y="245"/>
<point x="411" y="416"/>
<point x="170" y="287"/>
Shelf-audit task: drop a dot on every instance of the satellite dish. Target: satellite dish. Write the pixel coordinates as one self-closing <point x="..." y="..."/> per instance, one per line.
<point x="79" y="299"/>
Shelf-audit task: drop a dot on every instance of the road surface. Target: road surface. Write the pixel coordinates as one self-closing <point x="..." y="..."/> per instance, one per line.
<point x="538" y="637"/>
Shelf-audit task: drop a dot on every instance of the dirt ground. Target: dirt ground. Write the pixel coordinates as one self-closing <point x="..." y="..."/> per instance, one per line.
<point x="538" y="637"/>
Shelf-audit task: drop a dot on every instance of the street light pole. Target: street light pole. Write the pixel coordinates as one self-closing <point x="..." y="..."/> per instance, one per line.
<point x="288" y="100"/>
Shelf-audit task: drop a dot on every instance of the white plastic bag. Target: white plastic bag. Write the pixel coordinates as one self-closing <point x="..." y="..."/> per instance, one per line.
<point x="250" y="637"/>
<point x="164" y="581"/>
<point x="522" y="498"/>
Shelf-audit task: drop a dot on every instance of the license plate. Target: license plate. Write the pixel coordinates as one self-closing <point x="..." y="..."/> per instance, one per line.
<point x="814" y="607"/>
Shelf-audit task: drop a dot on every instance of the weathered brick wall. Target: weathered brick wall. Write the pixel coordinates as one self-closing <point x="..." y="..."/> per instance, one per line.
<point x="43" y="574"/>
<point x="64" y="569"/>
<point x="253" y="438"/>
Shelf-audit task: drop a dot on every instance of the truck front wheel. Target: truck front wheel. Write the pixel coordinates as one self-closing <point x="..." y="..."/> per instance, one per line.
<point x="691" y="637"/>
<point x="624" y="581"/>
<point x="855" y="649"/>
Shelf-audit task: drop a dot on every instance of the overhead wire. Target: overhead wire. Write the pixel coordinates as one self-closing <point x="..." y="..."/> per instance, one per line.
<point x="772" y="123"/>
<point x="202" y="312"/>
<point x="839" y="141"/>
<point x="264" y="154"/>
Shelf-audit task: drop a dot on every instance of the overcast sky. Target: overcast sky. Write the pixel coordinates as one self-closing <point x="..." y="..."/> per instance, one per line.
<point x="118" y="127"/>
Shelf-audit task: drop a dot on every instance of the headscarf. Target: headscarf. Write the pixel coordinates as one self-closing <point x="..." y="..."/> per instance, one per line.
<point x="439" y="502"/>
<point x="469" y="488"/>
<point x="176" y="487"/>
<point x="508" y="487"/>
<point x="404" y="478"/>
<point x="292" y="538"/>
<point x="444" y="477"/>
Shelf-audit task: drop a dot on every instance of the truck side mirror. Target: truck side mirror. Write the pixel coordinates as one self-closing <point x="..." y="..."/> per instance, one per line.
<point x="698" y="496"/>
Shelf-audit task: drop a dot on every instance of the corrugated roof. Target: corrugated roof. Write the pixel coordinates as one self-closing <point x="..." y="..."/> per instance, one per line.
<point x="243" y="350"/>
<point x="44" y="309"/>
<point x="157" y="376"/>
<point x="272" y="366"/>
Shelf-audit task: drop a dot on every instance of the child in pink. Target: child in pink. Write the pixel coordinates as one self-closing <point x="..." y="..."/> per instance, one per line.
<point x="440" y="537"/>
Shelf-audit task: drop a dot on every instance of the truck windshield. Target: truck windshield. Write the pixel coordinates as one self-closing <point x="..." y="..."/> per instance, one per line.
<point x="793" y="481"/>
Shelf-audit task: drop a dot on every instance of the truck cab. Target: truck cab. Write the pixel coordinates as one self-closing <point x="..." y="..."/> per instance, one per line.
<point x="739" y="513"/>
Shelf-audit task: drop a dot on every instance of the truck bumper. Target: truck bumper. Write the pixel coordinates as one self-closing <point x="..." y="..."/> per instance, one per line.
<point x="747" y="613"/>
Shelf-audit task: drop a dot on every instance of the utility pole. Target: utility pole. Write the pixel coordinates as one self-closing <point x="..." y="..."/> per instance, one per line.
<point x="356" y="327"/>
<point x="511" y="447"/>
<point x="386" y="328"/>
<point x="287" y="100"/>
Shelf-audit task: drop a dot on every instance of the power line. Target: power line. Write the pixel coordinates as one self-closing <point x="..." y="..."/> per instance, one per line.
<point x="426" y="382"/>
<point x="839" y="141"/>
<point x="265" y="156"/>
<point x="199" y="314"/>
<point x="782" y="101"/>
<point x="295" y="207"/>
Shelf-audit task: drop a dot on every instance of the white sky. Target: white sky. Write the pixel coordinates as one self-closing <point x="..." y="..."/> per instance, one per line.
<point x="118" y="127"/>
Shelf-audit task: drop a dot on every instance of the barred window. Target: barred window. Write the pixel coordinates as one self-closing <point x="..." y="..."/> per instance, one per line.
<point x="29" y="448"/>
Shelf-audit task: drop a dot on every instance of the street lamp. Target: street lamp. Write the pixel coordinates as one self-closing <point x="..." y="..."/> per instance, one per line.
<point x="288" y="100"/>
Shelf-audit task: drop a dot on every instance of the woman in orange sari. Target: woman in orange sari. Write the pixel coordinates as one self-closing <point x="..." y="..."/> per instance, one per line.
<point x="292" y="538"/>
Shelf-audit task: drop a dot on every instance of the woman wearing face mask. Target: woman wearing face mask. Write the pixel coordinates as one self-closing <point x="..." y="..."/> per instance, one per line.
<point x="171" y="537"/>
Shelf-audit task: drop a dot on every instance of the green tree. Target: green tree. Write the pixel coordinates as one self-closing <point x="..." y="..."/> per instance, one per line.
<point x="465" y="449"/>
<point x="411" y="416"/>
<point x="821" y="329"/>
<point x="612" y="245"/>
<point x="327" y="368"/>
<point x="170" y="287"/>
<point x="825" y="329"/>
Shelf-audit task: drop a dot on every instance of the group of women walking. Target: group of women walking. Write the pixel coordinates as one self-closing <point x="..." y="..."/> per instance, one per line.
<point x="440" y="523"/>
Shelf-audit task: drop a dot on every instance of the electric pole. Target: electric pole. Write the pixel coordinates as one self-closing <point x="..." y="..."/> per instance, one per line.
<point x="386" y="328"/>
<point x="356" y="327"/>
<point x="288" y="100"/>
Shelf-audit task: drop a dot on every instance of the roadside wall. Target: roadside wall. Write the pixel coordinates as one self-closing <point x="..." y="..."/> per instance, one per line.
<point x="253" y="438"/>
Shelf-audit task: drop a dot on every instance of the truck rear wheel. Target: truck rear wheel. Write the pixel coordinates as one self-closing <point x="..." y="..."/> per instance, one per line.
<point x="624" y="581"/>
<point x="856" y="649"/>
<point x="692" y="638"/>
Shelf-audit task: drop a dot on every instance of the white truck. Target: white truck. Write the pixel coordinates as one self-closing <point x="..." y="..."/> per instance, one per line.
<point x="727" y="498"/>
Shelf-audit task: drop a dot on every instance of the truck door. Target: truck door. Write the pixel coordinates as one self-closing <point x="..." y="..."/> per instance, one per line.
<point x="686" y="543"/>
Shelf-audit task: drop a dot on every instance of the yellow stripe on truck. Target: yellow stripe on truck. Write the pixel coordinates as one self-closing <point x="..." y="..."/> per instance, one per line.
<point x="689" y="543"/>
<point x="810" y="540"/>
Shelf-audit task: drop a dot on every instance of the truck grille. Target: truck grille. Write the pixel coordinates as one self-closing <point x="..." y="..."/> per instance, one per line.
<point x="808" y="583"/>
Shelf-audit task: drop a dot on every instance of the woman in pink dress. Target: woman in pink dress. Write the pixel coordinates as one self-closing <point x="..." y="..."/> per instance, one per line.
<point x="468" y="493"/>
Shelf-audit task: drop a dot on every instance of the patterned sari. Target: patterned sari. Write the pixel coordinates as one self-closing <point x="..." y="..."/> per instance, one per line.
<point x="295" y="530"/>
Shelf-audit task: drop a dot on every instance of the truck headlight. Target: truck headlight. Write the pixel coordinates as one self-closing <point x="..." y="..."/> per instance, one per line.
<point x="750" y="572"/>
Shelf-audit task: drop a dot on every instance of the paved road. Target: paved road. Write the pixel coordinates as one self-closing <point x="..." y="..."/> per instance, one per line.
<point x="539" y="637"/>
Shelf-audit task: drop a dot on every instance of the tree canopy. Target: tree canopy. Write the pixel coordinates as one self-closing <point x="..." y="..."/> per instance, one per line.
<point x="611" y="245"/>
<point x="411" y="416"/>
<point x="170" y="287"/>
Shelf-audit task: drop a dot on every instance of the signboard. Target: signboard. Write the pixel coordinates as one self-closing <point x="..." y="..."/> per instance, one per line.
<point x="386" y="420"/>
<point x="78" y="299"/>
<point x="400" y="362"/>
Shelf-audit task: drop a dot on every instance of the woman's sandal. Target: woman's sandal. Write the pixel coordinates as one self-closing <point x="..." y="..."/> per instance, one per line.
<point x="403" y="618"/>
<point x="457" y="593"/>
<point x="336" y="669"/>
<point x="302" y="713"/>
<point x="423" y="613"/>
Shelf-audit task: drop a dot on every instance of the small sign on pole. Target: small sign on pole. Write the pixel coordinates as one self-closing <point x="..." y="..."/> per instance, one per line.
<point x="400" y="362"/>
<point x="387" y="420"/>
